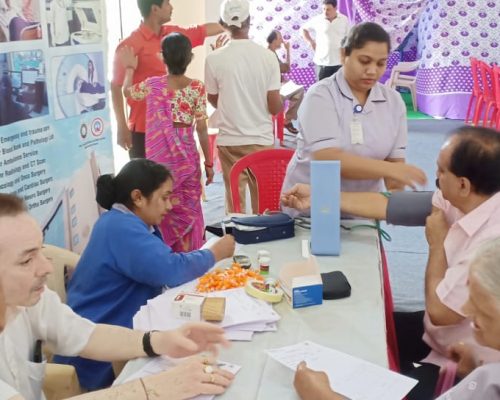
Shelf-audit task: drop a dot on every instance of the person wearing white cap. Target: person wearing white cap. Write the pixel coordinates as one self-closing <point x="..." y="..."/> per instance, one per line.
<point x="242" y="80"/>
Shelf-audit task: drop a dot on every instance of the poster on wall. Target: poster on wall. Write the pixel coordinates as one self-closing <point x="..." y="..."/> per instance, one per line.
<point x="55" y="133"/>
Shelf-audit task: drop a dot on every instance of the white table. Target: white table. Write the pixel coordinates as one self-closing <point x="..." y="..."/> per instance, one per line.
<point x="355" y="325"/>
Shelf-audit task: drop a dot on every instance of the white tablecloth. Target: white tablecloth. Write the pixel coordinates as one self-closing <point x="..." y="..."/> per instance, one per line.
<point x="355" y="325"/>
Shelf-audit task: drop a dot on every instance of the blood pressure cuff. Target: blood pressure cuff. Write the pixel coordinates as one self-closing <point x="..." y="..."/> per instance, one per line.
<point x="263" y="228"/>
<point x="409" y="208"/>
<point x="335" y="285"/>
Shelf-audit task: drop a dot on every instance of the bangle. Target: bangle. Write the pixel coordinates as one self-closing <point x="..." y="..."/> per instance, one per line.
<point x="209" y="165"/>
<point x="146" y="345"/>
<point x="144" y="387"/>
<point x="130" y="67"/>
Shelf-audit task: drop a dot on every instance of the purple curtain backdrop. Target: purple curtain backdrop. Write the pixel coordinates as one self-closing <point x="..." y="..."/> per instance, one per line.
<point x="443" y="34"/>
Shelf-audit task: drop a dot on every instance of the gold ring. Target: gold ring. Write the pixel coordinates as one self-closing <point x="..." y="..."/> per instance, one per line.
<point x="208" y="369"/>
<point x="205" y="360"/>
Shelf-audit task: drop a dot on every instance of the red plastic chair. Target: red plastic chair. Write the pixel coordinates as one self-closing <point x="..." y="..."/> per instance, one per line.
<point x="476" y="94"/>
<point x="486" y="72"/>
<point x="213" y="152"/>
<point x="495" y="117"/>
<point x="269" y="169"/>
<point x="279" y="126"/>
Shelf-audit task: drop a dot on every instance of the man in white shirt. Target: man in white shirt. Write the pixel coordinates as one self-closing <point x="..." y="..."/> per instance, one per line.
<point x="330" y="28"/>
<point x="242" y="80"/>
<point x="34" y="314"/>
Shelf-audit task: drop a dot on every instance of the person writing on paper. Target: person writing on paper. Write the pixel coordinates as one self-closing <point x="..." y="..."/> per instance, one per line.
<point x="289" y="90"/>
<point x="483" y="313"/>
<point x="29" y="313"/>
<point x="126" y="262"/>
<point x="352" y="118"/>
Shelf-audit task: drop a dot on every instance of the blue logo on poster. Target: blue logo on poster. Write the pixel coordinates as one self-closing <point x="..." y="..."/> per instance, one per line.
<point x="97" y="127"/>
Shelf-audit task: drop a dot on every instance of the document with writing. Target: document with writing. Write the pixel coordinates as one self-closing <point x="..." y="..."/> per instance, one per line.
<point x="350" y="376"/>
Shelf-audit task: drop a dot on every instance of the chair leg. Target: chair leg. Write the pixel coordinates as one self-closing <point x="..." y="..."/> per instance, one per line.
<point x="413" y="91"/>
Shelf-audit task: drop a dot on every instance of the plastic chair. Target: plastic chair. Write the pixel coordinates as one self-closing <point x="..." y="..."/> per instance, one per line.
<point x="486" y="73"/>
<point x="64" y="263"/>
<point x="404" y="80"/>
<point x="269" y="169"/>
<point x="495" y="118"/>
<point x="476" y="94"/>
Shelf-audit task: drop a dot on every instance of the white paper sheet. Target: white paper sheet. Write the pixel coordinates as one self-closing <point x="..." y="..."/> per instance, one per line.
<point x="350" y="376"/>
<point x="160" y="364"/>
<point x="289" y="88"/>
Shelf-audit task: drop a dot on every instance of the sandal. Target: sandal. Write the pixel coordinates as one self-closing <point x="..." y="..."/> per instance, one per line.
<point x="292" y="129"/>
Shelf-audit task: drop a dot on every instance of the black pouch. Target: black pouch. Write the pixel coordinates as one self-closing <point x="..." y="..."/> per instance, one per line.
<point x="335" y="285"/>
<point x="263" y="228"/>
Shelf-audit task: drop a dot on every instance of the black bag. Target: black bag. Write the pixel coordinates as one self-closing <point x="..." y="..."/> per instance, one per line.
<point x="263" y="228"/>
<point x="335" y="285"/>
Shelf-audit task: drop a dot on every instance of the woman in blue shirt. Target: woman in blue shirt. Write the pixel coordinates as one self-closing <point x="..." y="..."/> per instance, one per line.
<point x="126" y="262"/>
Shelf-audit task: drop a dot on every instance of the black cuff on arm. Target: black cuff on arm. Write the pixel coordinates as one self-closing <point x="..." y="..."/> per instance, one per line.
<point x="409" y="208"/>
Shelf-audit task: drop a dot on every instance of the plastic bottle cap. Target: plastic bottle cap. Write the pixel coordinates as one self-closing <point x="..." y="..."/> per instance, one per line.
<point x="265" y="260"/>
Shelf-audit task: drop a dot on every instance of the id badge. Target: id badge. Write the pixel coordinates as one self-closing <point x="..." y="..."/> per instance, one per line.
<point x="356" y="132"/>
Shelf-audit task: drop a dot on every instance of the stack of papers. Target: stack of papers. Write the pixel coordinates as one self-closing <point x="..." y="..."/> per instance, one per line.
<point x="244" y="314"/>
<point x="350" y="376"/>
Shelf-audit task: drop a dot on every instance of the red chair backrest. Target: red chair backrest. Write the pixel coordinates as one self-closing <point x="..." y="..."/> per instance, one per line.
<point x="486" y="72"/>
<point x="474" y="67"/>
<point x="269" y="169"/>
<point x="496" y="86"/>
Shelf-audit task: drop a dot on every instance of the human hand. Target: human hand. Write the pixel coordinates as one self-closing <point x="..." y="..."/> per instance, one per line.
<point x="220" y="42"/>
<point x="436" y="228"/>
<point x="124" y="137"/>
<point x="286" y="45"/>
<point x="406" y="174"/>
<point x="313" y="385"/>
<point x="463" y="355"/>
<point x="298" y="197"/>
<point x="223" y="248"/>
<point x="191" y="338"/>
<point x="127" y="57"/>
<point x="188" y="379"/>
<point x="209" y="172"/>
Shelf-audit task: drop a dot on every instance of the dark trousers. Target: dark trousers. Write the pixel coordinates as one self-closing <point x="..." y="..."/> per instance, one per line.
<point x="409" y="330"/>
<point x="138" y="149"/>
<point x="326" y="71"/>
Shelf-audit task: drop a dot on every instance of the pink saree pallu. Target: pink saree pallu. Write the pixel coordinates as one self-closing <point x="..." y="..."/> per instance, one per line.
<point x="175" y="148"/>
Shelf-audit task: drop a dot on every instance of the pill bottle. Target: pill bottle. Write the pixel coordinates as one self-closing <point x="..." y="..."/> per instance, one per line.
<point x="264" y="263"/>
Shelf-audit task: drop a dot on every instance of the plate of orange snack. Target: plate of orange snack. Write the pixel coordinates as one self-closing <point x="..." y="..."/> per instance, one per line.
<point x="229" y="278"/>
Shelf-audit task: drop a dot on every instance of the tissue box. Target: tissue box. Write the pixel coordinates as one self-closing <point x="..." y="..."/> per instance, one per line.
<point x="188" y="306"/>
<point x="301" y="283"/>
<point x="306" y="291"/>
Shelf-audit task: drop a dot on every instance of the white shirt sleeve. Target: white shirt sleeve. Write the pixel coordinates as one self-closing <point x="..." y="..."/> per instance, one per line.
<point x="399" y="149"/>
<point x="6" y="391"/>
<point x="56" y="323"/>
<point x="210" y="80"/>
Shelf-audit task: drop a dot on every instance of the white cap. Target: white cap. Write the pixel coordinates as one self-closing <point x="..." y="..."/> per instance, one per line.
<point x="234" y="12"/>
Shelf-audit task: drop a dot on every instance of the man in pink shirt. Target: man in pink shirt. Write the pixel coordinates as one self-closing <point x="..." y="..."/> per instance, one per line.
<point x="466" y="212"/>
<point x="146" y="43"/>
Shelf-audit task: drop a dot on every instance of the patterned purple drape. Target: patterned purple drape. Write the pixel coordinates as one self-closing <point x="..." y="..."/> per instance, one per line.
<point x="444" y="34"/>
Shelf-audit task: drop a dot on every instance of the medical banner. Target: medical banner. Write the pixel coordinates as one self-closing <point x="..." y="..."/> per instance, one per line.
<point x="55" y="133"/>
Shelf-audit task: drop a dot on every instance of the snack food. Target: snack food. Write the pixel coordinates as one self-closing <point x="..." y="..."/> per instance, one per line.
<point x="223" y="279"/>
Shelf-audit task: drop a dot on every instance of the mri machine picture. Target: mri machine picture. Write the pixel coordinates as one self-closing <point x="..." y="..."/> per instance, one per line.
<point x="71" y="79"/>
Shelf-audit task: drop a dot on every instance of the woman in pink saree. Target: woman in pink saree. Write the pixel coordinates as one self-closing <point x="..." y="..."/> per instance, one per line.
<point x="176" y="105"/>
